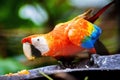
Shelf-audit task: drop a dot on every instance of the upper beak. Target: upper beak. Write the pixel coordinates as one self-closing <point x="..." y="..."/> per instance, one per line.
<point x="30" y="51"/>
<point x="27" y="48"/>
<point x="27" y="51"/>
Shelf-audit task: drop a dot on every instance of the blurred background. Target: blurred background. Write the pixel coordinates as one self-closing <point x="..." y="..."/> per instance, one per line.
<point x="20" y="18"/>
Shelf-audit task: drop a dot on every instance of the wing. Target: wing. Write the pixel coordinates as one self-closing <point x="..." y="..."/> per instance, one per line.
<point x="83" y="33"/>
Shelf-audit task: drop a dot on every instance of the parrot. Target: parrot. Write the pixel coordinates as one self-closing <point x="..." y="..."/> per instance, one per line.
<point x="67" y="39"/>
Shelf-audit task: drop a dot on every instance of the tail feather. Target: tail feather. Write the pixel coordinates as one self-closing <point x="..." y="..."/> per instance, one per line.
<point x="100" y="48"/>
<point x="96" y="16"/>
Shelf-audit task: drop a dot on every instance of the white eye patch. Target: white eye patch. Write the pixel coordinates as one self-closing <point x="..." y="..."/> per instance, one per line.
<point x="40" y="43"/>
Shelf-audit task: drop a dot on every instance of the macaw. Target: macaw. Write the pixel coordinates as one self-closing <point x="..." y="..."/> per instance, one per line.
<point x="66" y="39"/>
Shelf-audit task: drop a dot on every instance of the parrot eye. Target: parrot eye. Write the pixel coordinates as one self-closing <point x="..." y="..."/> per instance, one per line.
<point x="39" y="43"/>
<point x="38" y="39"/>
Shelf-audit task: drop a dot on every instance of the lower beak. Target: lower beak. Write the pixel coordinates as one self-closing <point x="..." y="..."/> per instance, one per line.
<point x="27" y="51"/>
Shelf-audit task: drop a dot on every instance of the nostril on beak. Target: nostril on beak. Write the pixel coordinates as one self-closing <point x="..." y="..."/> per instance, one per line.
<point x="35" y="52"/>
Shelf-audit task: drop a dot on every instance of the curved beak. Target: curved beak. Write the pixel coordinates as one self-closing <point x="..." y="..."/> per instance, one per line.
<point x="27" y="51"/>
<point x="30" y="51"/>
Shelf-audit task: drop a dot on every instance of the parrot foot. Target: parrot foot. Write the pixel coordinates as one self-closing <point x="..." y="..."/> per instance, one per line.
<point x="73" y="63"/>
<point x="66" y="62"/>
<point x="77" y="62"/>
<point x="65" y="65"/>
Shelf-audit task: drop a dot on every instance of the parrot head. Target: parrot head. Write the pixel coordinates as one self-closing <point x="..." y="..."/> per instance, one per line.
<point x="34" y="46"/>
